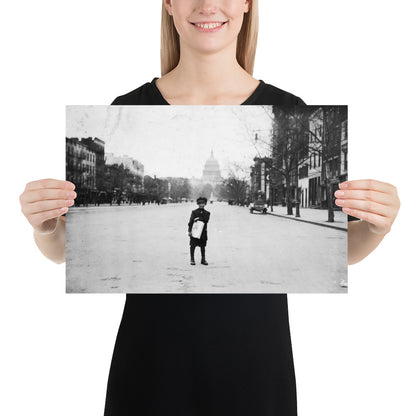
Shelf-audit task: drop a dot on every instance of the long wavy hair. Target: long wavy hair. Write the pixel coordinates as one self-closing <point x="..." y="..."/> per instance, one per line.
<point x="246" y="41"/>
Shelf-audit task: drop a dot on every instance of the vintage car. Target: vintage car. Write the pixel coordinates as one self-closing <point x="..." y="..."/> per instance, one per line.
<point x="258" y="206"/>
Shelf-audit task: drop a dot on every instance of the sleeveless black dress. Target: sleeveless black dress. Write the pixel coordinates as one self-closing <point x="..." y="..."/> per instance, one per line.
<point x="203" y="354"/>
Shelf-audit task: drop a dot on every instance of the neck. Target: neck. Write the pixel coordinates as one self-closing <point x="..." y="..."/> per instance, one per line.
<point x="208" y="73"/>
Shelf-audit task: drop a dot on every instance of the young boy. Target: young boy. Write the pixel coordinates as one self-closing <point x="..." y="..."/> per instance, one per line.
<point x="199" y="214"/>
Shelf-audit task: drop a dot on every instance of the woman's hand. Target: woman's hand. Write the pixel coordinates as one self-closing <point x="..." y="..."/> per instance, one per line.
<point x="44" y="201"/>
<point x="375" y="202"/>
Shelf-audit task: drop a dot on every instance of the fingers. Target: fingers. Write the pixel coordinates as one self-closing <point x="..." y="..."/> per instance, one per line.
<point x="368" y="195"/>
<point x="45" y="200"/>
<point x="47" y="189"/>
<point x="47" y="194"/>
<point x="49" y="183"/>
<point x="373" y="201"/>
<point x="364" y="206"/>
<point x="368" y="184"/>
<point x="364" y="195"/>
<point x="47" y="205"/>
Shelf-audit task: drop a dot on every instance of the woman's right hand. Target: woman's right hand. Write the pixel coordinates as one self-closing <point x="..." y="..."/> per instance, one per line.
<point x="44" y="201"/>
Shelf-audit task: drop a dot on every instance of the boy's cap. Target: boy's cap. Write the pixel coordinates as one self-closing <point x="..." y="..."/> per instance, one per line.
<point x="202" y="199"/>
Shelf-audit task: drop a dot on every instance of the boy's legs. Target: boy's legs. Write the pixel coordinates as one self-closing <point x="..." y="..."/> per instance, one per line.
<point x="203" y="261"/>
<point x="192" y="249"/>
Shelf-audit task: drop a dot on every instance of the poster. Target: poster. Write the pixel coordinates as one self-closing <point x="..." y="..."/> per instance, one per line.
<point x="267" y="173"/>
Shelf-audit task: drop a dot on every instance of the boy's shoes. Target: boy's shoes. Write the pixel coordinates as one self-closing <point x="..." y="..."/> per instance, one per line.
<point x="204" y="262"/>
<point x="192" y="262"/>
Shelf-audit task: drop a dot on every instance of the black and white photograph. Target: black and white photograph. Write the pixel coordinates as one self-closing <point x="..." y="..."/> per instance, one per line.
<point x="204" y="199"/>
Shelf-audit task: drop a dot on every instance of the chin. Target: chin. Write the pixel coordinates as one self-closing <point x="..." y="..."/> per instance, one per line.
<point x="209" y="47"/>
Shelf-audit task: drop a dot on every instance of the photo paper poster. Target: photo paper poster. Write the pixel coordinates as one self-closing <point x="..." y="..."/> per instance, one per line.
<point x="257" y="182"/>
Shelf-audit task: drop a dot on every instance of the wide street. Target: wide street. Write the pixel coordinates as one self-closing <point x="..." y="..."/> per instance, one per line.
<point x="145" y="249"/>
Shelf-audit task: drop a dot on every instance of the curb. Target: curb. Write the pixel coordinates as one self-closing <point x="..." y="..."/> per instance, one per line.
<point x="308" y="221"/>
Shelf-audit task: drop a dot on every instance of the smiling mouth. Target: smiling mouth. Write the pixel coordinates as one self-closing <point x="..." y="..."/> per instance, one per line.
<point x="209" y="25"/>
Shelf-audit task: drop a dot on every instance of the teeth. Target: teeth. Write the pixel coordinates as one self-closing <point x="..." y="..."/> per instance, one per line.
<point x="208" y="25"/>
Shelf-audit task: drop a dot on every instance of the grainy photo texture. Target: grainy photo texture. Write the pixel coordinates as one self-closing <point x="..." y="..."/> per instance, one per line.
<point x="206" y="199"/>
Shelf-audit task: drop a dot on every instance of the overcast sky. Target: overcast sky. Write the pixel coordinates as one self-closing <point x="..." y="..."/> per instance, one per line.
<point x="176" y="140"/>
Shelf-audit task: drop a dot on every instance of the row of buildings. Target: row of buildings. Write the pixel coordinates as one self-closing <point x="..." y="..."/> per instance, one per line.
<point x="97" y="174"/>
<point x="307" y="158"/>
<point x="103" y="177"/>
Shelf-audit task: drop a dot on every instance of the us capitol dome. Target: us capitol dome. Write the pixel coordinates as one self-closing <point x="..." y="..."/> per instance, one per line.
<point x="212" y="172"/>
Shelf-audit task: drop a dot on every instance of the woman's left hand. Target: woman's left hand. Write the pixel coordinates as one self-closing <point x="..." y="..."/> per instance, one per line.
<point x="375" y="202"/>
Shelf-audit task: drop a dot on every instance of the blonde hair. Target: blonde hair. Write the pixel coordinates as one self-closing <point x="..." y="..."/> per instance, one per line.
<point x="246" y="41"/>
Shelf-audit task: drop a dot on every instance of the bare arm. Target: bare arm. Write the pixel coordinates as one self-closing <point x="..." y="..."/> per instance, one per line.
<point x="376" y="204"/>
<point x="43" y="203"/>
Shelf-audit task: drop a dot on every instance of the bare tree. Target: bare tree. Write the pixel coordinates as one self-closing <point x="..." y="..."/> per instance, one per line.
<point x="236" y="185"/>
<point x="289" y="148"/>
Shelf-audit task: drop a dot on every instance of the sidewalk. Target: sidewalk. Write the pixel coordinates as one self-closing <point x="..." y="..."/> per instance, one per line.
<point x="313" y="216"/>
<point x="107" y="204"/>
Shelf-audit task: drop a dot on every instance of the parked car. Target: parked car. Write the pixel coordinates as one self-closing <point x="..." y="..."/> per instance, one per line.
<point x="164" y="201"/>
<point x="258" y="206"/>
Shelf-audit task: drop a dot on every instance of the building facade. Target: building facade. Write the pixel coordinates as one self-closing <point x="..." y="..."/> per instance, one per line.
<point x="80" y="164"/>
<point x="327" y="164"/>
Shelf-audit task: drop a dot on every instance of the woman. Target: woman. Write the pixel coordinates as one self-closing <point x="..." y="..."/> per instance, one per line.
<point x="206" y="354"/>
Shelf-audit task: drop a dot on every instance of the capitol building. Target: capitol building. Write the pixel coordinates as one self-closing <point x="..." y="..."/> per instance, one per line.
<point x="212" y="173"/>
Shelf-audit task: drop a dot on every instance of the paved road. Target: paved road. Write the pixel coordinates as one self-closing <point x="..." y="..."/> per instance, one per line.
<point x="145" y="249"/>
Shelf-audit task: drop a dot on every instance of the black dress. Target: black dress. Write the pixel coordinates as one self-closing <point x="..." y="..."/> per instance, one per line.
<point x="203" y="354"/>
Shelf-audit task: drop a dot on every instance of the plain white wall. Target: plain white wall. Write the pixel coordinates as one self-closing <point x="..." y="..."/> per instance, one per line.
<point x="353" y="354"/>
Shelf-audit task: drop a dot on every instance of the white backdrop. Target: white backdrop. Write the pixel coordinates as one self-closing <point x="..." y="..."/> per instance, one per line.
<point x="354" y="354"/>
